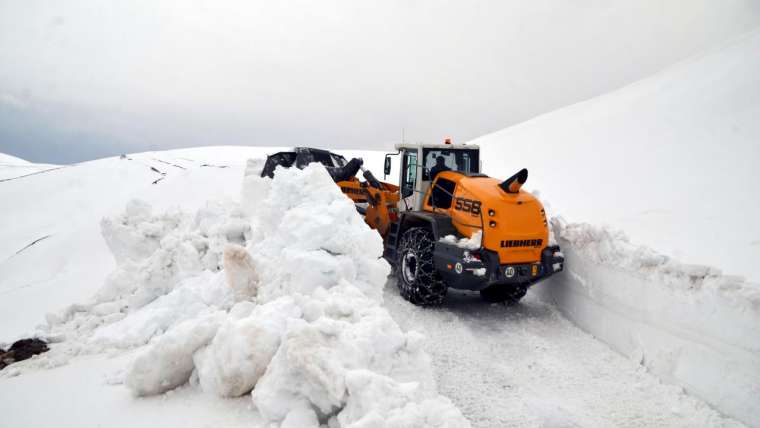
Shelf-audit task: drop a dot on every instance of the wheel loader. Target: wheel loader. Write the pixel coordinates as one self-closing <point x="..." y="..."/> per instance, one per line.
<point x="446" y="225"/>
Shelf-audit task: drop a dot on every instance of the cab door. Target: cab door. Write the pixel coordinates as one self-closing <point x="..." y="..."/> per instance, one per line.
<point x="409" y="184"/>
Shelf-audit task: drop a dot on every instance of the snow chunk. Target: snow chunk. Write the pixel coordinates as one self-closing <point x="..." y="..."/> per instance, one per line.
<point x="240" y="272"/>
<point x="350" y="332"/>
<point x="243" y="348"/>
<point x="169" y="362"/>
<point x="471" y="243"/>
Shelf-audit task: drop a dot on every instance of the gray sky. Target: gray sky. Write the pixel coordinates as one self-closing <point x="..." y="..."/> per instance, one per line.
<point x="82" y="79"/>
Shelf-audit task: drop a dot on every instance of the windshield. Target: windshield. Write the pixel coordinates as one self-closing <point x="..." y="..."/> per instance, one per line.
<point x="437" y="160"/>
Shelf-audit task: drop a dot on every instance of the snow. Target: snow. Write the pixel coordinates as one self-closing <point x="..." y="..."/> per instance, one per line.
<point x="671" y="159"/>
<point x="89" y="393"/>
<point x="168" y="363"/>
<point x="528" y="366"/>
<point x="471" y="243"/>
<point x="67" y="205"/>
<point x="7" y="160"/>
<point x="12" y="167"/>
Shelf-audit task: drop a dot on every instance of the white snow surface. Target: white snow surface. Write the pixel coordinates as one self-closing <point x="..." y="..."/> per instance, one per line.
<point x="12" y="167"/>
<point x="7" y="160"/>
<point x="672" y="159"/>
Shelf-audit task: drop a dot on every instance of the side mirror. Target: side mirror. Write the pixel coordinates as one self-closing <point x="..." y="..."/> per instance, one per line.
<point x="387" y="169"/>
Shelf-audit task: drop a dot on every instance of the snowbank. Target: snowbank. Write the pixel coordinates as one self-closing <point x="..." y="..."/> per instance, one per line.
<point x="690" y="325"/>
<point x="279" y="296"/>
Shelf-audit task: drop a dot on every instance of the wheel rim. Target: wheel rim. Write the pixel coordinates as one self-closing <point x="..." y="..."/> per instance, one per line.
<point x="409" y="267"/>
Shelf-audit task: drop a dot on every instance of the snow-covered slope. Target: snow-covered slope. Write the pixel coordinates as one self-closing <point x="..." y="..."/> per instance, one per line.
<point x="63" y="209"/>
<point x="672" y="160"/>
<point x="11" y="167"/>
<point x="11" y="160"/>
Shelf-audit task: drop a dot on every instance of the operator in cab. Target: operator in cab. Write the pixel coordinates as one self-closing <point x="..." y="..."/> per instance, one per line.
<point x="440" y="166"/>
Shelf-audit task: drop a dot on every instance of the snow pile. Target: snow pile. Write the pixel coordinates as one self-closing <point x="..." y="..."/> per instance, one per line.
<point x="471" y="243"/>
<point x="688" y="324"/>
<point x="280" y="297"/>
<point x="164" y="265"/>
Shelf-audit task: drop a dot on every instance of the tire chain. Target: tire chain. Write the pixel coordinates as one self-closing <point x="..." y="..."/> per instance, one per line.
<point x="429" y="288"/>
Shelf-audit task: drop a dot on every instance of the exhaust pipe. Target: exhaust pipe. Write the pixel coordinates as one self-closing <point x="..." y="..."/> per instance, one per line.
<point x="515" y="182"/>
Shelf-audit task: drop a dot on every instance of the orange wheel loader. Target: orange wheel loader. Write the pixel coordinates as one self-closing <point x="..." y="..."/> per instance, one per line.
<point x="446" y="225"/>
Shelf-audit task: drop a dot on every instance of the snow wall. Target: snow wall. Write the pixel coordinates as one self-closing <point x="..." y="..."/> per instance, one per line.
<point x="687" y="324"/>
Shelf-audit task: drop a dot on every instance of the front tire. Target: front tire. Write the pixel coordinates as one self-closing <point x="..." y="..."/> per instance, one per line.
<point x="418" y="280"/>
<point x="504" y="293"/>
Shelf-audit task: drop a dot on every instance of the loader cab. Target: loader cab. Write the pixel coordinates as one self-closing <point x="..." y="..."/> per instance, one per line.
<point x="421" y="162"/>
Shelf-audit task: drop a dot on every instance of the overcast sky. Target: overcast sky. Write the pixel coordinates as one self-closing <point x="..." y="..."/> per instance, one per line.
<point x="82" y="79"/>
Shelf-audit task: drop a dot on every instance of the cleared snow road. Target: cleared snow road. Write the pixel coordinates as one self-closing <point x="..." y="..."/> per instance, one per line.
<point x="527" y="366"/>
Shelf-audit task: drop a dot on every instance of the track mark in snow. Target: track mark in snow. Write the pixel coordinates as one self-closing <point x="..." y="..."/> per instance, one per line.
<point x="34" y="242"/>
<point x="527" y="366"/>
<point x="169" y="163"/>
<point x="34" y="173"/>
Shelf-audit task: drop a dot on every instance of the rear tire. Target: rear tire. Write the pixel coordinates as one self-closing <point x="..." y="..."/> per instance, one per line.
<point x="418" y="280"/>
<point x="503" y="293"/>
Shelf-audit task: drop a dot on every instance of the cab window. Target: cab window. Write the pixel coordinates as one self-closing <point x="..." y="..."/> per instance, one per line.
<point x="442" y="193"/>
<point x="438" y="160"/>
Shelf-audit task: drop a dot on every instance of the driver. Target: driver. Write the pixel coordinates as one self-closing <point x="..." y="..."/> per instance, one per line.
<point x="440" y="166"/>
